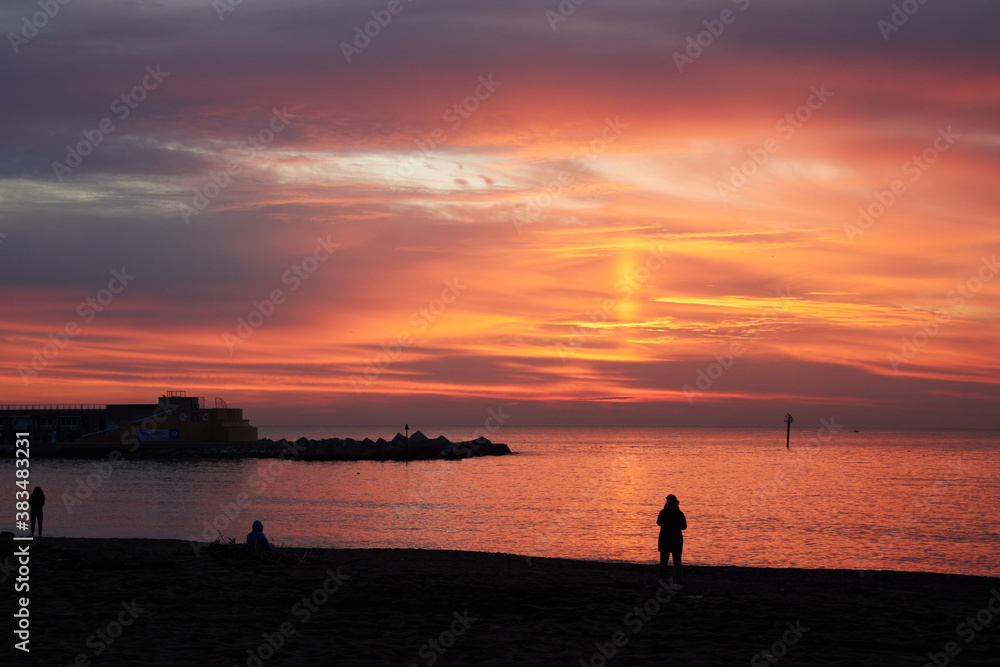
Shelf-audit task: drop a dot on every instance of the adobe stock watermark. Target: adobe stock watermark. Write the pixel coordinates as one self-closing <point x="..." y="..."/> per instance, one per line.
<point x="372" y="29"/>
<point x="779" y="649"/>
<point x="432" y="650"/>
<point x="532" y="211"/>
<point x="454" y="116"/>
<point x="786" y="126"/>
<point x="258" y="481"/>
<point x="85" y="487"/>
<point x="922" y="503"/>
<point x="302" y="611"/>
<point x="626" y="287"/>
<point x="698" y="44"/>
<point x="31" y="26"/>
<point x="87" y="310"/>
<point x="122" y="106"/>
<point x="417" y="496"/>
<point x="420" y="320"/>
<point x="566" y="9"/>
<point x="220" y="180"/>
<point x="706" y="377"/>
<point x="899" y="17"/>
<point x="913" y="169"/>
<point x="223" y="7"/>
<point x="104" y="637"/>
<point x="792" y="464"/>
<point x="597" y="490"/>
<point x="495" y="420"/>
<point x="635" y="620"/>
<point x="295" y="276"/>
<point x="956" y="298"/>
<point x="967" y="631"/>
<point x="6" y="570"/>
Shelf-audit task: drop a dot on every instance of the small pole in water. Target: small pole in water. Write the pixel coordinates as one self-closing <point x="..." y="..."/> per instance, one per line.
<point x="407" y="427"/>
<point x="788" y="430"/>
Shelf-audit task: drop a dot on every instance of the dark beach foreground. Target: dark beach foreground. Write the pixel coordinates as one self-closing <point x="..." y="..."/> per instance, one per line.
<point x="157" y="602"/>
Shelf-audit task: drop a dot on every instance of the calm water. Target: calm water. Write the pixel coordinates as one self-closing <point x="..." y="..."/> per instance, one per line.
<point x="902" y="500"/>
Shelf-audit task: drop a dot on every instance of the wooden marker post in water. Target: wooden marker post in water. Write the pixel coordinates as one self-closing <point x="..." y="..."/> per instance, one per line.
<point x="407" y="427"/>
<point x="788" y="430"/>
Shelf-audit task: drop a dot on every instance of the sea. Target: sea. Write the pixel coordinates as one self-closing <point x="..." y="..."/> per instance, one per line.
<point x="836" y="498"/>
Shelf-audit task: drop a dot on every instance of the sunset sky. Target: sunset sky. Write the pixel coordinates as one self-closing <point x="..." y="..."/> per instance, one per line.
<point x="619" y="212"/>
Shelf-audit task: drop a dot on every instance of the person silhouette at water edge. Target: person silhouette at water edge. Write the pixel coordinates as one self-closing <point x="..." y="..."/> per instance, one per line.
<point x="256" y="538"/>
<point x="672" y="522"/>
<point x="36" y="501"/>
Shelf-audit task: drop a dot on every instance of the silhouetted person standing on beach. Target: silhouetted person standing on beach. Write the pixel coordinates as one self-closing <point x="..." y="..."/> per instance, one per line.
<point x="671" y="522"/>
<point x="36" y="501"/>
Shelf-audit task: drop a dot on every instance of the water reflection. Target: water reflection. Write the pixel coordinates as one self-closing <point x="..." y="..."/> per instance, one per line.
<point x="875" y="500"/>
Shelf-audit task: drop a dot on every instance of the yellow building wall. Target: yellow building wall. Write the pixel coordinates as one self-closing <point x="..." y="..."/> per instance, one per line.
<point x="196" y="425"/>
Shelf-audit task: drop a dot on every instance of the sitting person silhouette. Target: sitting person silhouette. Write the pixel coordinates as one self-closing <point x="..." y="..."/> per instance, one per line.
<point x="256" y="538"/>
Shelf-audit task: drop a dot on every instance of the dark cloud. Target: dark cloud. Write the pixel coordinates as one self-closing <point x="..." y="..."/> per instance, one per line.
<point x="326" y="174"/>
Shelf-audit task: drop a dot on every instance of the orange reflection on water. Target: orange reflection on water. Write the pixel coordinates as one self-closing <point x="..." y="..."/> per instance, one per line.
<point x="902" y="500"/>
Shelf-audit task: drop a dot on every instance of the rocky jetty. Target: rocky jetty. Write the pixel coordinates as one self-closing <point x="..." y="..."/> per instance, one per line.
<point x="417" y="447"/>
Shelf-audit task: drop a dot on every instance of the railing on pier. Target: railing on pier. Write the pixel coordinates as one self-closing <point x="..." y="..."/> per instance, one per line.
<point x="52" y="406"/>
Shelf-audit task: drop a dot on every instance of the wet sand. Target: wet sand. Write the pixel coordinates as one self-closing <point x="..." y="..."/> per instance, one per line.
<point x="155" y="602"/>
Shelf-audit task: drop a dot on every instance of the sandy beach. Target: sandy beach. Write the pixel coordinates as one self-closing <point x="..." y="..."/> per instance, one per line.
<point x="130" y="602"/>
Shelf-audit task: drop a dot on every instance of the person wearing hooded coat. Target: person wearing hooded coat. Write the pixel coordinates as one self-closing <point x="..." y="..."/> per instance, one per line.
<point x="671" y="541"/>
<point x="256" y="538"/>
